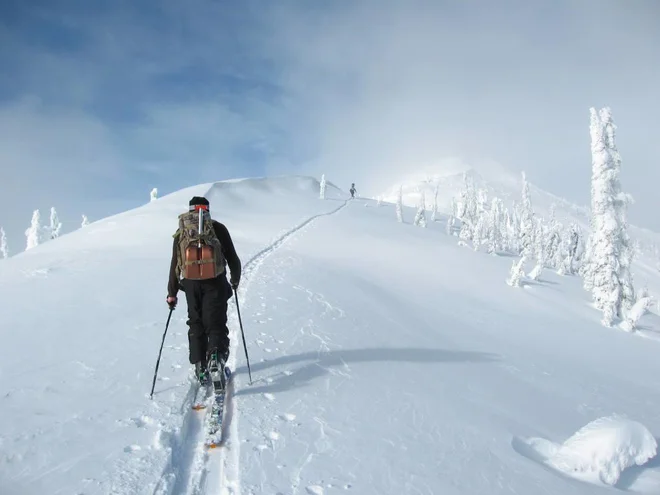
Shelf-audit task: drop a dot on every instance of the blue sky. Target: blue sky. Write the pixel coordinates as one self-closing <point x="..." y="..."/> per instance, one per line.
<point x="101" y="101"/>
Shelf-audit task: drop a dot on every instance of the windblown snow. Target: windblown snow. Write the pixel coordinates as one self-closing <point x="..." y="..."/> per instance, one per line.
<point x="386" y="359"/>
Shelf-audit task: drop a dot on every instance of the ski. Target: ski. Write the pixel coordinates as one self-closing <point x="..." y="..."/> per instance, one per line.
<point x="201" y="393"/>
<point x="215" y="417"/>
<point x="199" y="399"/>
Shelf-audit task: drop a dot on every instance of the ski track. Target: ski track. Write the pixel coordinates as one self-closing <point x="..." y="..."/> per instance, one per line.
<point x="189" y="470"/>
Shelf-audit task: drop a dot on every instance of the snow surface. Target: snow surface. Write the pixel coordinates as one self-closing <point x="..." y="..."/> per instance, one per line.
<point x="385" y="358"/>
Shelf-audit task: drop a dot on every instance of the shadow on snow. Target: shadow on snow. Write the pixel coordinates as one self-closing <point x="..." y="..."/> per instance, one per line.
<point x="318" y="364"/>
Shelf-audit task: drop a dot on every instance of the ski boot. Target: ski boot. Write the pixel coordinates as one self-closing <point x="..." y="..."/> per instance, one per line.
<point x="201" y="373"/>
<point x="216" y="369"/>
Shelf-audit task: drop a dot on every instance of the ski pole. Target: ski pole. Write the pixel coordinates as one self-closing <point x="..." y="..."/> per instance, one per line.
<point x="238" y="310"/>
<point x="153" y="385"/>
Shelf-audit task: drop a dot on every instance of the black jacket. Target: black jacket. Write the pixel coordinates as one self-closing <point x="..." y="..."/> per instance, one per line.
<point x="228" y="251"/>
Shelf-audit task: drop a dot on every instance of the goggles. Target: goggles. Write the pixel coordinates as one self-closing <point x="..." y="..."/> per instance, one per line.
<point x="199" y="207"/>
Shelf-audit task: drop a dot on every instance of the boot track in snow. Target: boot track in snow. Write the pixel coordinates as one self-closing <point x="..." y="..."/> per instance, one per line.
<point x="192" y="468"/>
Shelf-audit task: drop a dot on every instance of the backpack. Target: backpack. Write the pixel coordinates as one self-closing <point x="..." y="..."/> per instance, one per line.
<point x="199" y="256"/>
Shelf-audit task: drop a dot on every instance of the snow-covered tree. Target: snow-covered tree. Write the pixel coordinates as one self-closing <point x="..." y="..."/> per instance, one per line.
<point x="517" y="272"/>
<point x="610" y="253"/>
<point x="468" y="210"/>
<point x="399" y="205"/>
<point x="621" y="203"/>
<point x="527" y="227"/>
<point x="33" y="234"/>
<point x="478" y="233"/>
<point x="634" y="314"/>
<point x="55" y="224"/>
<point x="434" y="214"/>
<point x="513" y="229"/>
<point x="4" y="249"/>
<point x="509" y="232"/>
<point x="538" y="250"/>
<point x="451" y="220"/>
<point x="420" y="216"/>
<point x="496" y="228"/>
<point x="85" y="221"/>
<point x="323" y="185"/>
<point x="554" y="256"/>
<point x="569" y="251"/>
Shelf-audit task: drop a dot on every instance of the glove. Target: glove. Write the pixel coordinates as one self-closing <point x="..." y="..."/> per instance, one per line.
<point x="171" y="301"/>
<point x="234" y="284"/>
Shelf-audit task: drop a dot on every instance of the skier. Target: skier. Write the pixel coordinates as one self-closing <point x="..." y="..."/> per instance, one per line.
<point x="198" y="267"/>
<point x="353" y="190"/>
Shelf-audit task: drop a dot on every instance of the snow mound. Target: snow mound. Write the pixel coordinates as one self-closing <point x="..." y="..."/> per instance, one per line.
<point x="599" y="452"/>
<point x="605" y="447"/>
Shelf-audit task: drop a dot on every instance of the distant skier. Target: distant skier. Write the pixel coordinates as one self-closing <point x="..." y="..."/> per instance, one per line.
<point x="198" y="267"/>
<point x="353" y="190"/>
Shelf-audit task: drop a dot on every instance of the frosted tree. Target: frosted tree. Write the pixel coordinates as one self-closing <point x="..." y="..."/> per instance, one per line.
<point x="451" y="220"/>
<point x="4" y="249"/>
<point x="553" y="242"/>
<point x="610" y="252"/>
<point x="33" y="234"/>
<point x="468" y="210"/>
<point x="434" y="215"/>
<point x="55" y="224"/>
<point x="481" y="221"/>
<point x="569" y="251"/>
<point x="154" y="194"/>
<point x="478" y="232"/>
<point x="496" y="227"/>
<point x="399" y="205"/>
<point x="323" y="184"/>
<point x="85" y="221"/>
<point x="634" y="314"/>
<point x="517" y="272"/>
<point x="508" y="238"/>
<point x="513" y="230"/>
<point x="420" y="216"/>
<point x="621" y="202"/>
<point x="539" y="250"/>
<point x="482" y="201"/>
<point x="527" y="227"/>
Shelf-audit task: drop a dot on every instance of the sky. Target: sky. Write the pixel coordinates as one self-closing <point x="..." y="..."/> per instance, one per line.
<point x="102" y="101"/>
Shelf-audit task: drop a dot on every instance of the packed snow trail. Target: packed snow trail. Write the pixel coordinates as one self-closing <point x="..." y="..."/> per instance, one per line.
<point x="194" y="468"/>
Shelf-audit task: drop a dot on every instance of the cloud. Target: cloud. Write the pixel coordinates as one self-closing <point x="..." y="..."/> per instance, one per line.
<point x="111" y="99"/>
<point x="393" y="86"/>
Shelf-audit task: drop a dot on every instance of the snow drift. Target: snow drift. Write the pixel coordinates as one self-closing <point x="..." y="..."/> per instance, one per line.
<point x="600" y="451"/>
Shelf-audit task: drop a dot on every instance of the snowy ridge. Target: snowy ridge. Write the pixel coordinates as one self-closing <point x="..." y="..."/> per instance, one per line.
<point x="386" y="358"/>
<point x="499" y="183"/>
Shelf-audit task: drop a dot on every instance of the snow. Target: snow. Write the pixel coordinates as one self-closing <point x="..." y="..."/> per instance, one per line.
<point x="600" y="451"/>
<point x="385" y="359"/>
<point x="606" y="447"/>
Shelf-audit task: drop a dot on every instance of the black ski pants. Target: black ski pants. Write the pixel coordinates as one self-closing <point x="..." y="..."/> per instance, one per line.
<point x="207" y="317"/>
